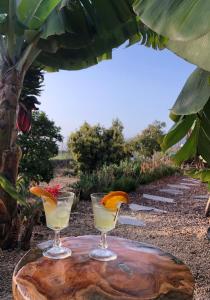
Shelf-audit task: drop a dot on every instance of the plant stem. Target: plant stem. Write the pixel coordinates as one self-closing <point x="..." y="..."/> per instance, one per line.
<point x="57" y="241"/>
<point x="103" y="242"/>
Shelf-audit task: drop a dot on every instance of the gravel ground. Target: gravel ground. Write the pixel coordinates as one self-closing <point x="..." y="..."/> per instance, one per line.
<point x="181" y="231"/>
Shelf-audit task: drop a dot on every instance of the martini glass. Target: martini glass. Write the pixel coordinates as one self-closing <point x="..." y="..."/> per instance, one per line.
<point x="104" y="220"/>
<point x="57" y="218"/>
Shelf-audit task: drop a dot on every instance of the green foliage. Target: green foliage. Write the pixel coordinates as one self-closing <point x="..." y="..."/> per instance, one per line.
<point x="194" y="95"/>
<point x="195" y="129"/>
<point x="10" y="189"/>
<point x="93" y="146"/>
<point x="69" y="34"/>
<point x="185" y="23"/>
<point x="126" y="176"/>
<point x="148" y="141"/>
<point x="38" y="146"/>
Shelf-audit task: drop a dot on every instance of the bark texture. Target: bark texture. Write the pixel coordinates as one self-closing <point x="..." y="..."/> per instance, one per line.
<point x="141" y="271"/>
<point x="10" y="153"/>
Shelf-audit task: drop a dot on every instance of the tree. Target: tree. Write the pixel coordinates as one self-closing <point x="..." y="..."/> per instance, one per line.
<point x="38" y="146"/>
<point x="93" y="146"/>
<point x="148" y="141"/>
<point x="56" y="34"/>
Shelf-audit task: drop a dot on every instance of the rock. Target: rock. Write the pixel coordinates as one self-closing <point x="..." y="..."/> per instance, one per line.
<point x="171" y="191"/>
<point x="201" y="197"/>
<point x="191" y="180"/>
<point x="137" y="207"/>
<point x="178" y="186"/>
<point x="189" y="184"/>
<point x="158" y="198"/>
<point x="126" y="220"/>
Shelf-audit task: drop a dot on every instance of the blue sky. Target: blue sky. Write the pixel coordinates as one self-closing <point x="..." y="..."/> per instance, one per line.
<point x="139" y="85"/>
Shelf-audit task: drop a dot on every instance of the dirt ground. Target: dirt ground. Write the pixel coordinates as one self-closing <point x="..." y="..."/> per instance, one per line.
<point x="181" y="231"/>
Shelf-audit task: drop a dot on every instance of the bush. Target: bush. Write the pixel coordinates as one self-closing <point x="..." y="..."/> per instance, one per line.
<point x="126" y="184"/>
<point x="93" y="146"/>
<point x="38" y="146"/>
<point x="148" y="141"/>
<point x="126" y="176"/>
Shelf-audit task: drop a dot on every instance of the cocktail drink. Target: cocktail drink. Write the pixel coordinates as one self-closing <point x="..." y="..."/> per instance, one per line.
<point x="105" y="211"/>
<point x="57" y="212"/>
<point x="58" y="218"/>
<point x="104" y="219"/>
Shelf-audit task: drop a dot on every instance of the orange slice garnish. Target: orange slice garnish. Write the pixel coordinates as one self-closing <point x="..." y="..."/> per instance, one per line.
<point x="113" y="200"/>
<point x="45" y="195"/>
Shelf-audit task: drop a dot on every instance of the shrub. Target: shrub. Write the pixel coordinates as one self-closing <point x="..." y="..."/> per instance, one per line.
<point x="126" y="176"/>
<point x="126" y="184"/>
<point x="38" y="146"/>
<point x="93" y="146"/>
<point x="148" y="141"/>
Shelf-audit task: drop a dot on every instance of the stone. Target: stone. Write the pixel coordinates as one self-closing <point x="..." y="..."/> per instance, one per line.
<point x="158" y="198"/>
<point x="178" y="186"/>
<point x="171" y="191"/>
<point x="201" y="197"/>
<point x="137" y="207"/>
<point x="189" y="184"/>
<point x="191" y="180"/>
<point x="126" y="220"/>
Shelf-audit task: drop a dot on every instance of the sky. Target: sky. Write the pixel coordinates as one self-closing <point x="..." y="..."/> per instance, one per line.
<point x="139" y="85"/>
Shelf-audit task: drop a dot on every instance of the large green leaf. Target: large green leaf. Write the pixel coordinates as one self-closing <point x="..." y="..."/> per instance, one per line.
<point x="93" y="29"/>
<point x="194" y="94"/>
<point x="178" y="131"/>
<point x="33" y="13"/>
<point x="175" y="19"/>
<point x="195" y="144"/>
<point x="195" y="51"/>
<point x="9" y="188"/>
<point x="189" y="149"/>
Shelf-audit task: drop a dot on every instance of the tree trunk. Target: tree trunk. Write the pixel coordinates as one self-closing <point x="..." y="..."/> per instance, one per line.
<point x="10" y="153"/>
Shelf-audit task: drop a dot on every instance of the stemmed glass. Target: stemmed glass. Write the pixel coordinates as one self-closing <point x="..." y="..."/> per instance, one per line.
<point x="57" y="218"/>
<point x="104" y="220"/>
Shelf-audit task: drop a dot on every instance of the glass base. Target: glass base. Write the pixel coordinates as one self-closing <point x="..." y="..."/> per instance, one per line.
<point x="57" y="252"/>
<point x="103" y="254"/>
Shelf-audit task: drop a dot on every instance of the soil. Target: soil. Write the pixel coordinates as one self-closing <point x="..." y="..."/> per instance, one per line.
<point x="182" y="231"/>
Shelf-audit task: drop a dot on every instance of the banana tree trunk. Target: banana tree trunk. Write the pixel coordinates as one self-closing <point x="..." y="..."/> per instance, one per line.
<point x="10" y="153"/>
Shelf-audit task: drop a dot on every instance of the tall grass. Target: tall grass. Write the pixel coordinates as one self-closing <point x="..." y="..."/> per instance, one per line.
<point x="126" y="176"/>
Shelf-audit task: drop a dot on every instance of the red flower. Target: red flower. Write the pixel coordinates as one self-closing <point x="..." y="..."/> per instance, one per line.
<point x="54" y="190"/>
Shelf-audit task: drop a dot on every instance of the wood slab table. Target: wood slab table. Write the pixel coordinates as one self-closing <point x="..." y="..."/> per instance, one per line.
<point x="141" y="271"/>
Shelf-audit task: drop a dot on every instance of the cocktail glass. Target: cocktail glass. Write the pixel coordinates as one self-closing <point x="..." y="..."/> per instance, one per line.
<point x="57" y="218"/>
<point x="104" y="220"/>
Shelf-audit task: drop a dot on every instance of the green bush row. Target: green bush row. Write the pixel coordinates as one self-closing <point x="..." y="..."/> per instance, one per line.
<point x="126" y="176"/>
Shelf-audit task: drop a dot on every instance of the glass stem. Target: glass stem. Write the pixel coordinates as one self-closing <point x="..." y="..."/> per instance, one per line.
<point x="103" y="242"/>
<point x="57" y="241"/>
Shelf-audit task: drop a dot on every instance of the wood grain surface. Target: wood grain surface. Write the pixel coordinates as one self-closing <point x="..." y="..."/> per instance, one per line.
<point x="141" y="271"/>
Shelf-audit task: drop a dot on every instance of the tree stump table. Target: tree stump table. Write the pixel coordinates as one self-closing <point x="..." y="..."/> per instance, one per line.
<point x="141" y="271"/>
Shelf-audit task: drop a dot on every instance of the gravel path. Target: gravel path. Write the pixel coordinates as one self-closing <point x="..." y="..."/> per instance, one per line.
<point x="181" y="231"/>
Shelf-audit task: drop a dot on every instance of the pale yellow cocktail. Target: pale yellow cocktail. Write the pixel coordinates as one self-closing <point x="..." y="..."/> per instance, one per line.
<point x="104" y="219"/>
<point x="57" y="218"/>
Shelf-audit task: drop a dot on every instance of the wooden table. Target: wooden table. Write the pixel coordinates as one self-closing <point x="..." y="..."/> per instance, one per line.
<point x="141" y="271"/>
